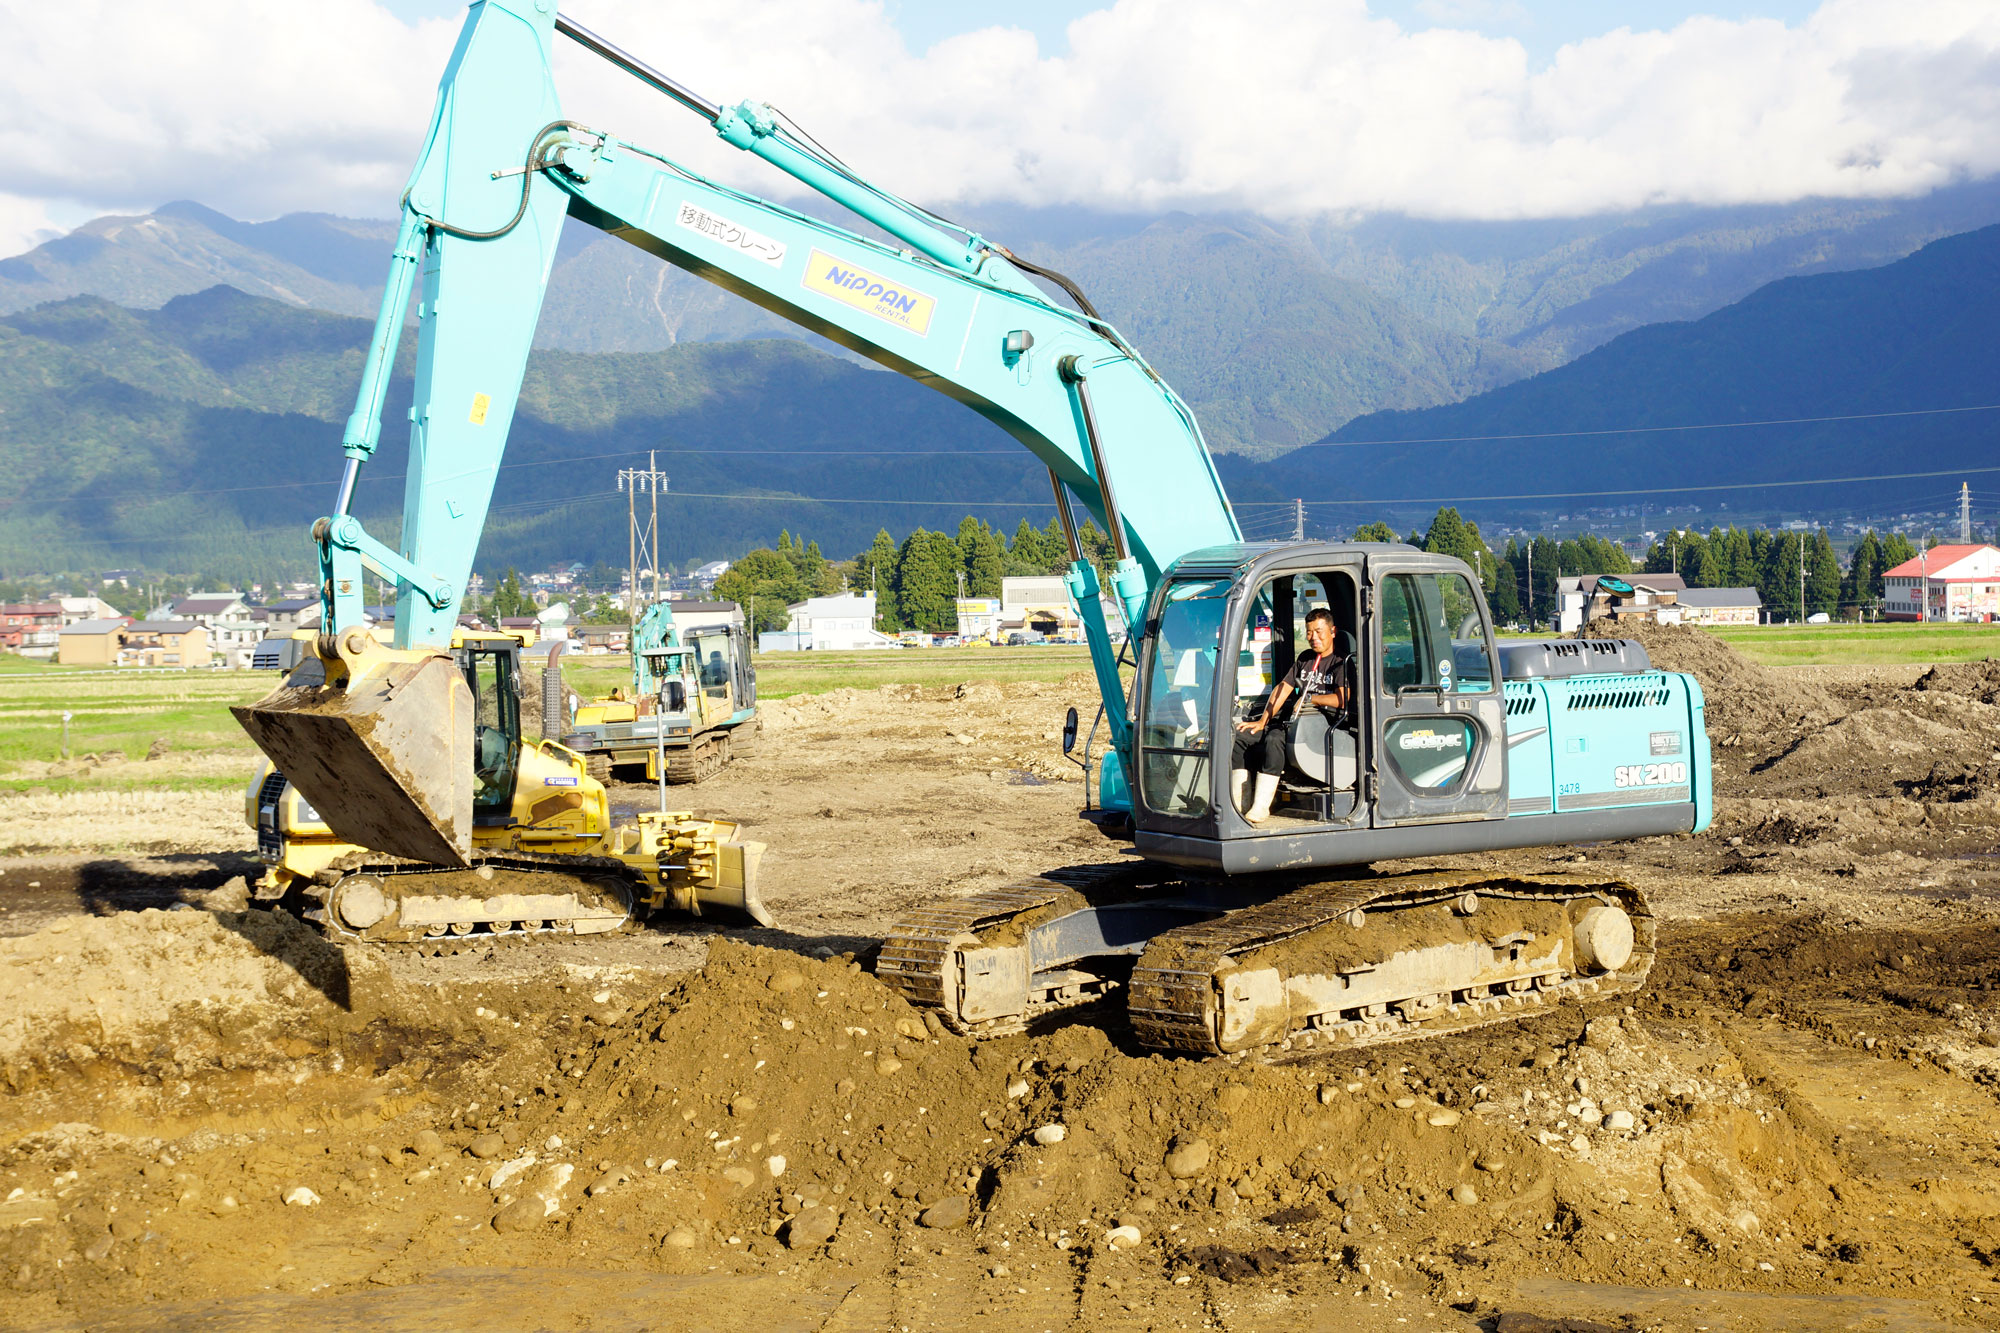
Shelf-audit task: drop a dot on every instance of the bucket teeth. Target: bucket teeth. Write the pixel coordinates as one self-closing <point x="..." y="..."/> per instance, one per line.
<point x="382" y="750"/>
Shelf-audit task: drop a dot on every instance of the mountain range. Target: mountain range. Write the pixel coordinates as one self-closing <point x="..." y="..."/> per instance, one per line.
<point x="1277" y="332"/>
<point x="205" y="433"/>
<point x="1867" y="376"/>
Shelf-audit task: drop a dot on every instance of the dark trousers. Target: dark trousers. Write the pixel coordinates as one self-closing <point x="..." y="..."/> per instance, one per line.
<point x="1263" y="750"/>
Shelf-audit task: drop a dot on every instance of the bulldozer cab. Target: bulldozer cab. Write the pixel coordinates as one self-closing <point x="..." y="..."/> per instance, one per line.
<point x="491" y="667"/>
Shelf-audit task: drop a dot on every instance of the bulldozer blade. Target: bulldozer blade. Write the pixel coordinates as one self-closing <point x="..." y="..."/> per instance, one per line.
<point x="734" y="888"/>
<point x="383" y="754"/>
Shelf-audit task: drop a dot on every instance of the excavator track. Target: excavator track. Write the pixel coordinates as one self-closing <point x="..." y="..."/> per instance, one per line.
<point x="698" y="762"/>
<point x="920" y="957"/>
<point x="1328" y="966"/>
<point x="1273" y="977"/>
<point x="517" y="895"/>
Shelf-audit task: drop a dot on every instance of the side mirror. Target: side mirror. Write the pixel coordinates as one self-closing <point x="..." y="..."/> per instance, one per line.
<point x="676" y="696"/>
<point x="1069" y="731"/>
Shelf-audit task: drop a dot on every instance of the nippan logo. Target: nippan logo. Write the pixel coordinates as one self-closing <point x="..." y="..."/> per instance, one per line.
<point x="870" y="292"/>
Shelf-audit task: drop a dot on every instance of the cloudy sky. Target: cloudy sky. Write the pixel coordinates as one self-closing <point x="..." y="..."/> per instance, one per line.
<point x="1442" y="108"/>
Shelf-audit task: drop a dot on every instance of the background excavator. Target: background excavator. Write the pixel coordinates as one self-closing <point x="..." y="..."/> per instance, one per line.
<point x="690" y="709"/>
<point x="1225" y="936"/>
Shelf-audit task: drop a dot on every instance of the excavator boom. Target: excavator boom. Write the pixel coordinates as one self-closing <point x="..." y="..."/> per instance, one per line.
<point x="499" y="171"/>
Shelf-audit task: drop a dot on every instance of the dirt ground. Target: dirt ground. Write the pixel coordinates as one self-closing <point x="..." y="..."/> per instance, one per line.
<point x="211" y="1117"/>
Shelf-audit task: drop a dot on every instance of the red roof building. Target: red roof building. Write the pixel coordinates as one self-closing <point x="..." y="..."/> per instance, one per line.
<point x="1945" y="583"/>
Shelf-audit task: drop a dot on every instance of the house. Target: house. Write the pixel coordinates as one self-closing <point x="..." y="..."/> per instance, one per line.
<point x="280" y="618"/>
<point x="1721" y="606"/>
<point x="1581" y="598"/>
<point x="205" y="608"/>
<point x="122" y="577"/>
<point x="691" y="614"/>
<point x="91" y="642"/>
<point x="837" y="623"/>
<point x="75" y="609"/>
<point x="164" y="643"/>
<point x="30" y="628"/>
<point x="1945" y="583"/>
<point x="705" y="576"/>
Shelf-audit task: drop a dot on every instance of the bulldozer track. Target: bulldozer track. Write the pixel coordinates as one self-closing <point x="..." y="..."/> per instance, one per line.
<point x="575" y="874"/>
<point x="1172" y="997"/>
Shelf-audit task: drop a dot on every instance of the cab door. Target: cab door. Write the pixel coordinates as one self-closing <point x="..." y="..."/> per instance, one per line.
<point x="1436" y="730"/>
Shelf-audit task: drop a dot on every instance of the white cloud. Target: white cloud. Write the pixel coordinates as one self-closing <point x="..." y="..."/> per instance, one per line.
<point x="1271" y="105"/>
<point x="26" y="223"/>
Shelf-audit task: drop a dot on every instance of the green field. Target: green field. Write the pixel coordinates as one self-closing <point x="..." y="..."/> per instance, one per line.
<point x="126" y="712"/>
<point x="1861" y="645"/>
<point x="123" y="713"/>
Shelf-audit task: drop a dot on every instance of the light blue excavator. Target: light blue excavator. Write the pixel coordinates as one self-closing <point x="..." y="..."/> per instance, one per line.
<point x="1250" y="918"/>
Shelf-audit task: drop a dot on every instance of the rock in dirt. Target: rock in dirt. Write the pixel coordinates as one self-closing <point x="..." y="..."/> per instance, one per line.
<point x="1464" y="1194"/>
<point x="1050" y="1135"/>
<point x="813" y="1227"/>
<point x="299" y="1196"/>
<point x="680" y="1238"/>
<point x="521" y="1215"/>
<point x="1123" y="1238"/>
<point x="1236" y="1265"/>
<point x="946" y="1213"/>
<point x="1619" y="1120"/>
<point x="1187" y="1160"/>
<point x="487" y="1147"/>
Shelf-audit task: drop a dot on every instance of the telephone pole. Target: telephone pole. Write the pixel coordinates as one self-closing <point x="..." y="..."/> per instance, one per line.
<point x="1964" y="513"/>
<point x="1298" y="520"/>
<point x="1802" y="578"/>
<point x="639" y="542"/>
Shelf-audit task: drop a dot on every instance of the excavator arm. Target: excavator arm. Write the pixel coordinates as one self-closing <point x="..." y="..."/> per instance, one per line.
<point x="380" y="745"/>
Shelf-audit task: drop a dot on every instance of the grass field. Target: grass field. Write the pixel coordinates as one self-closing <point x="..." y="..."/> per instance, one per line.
<point x="1861" y="645"/>
<point x="126" y="712"/>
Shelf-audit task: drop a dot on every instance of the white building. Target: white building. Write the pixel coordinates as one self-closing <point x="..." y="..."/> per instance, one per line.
<point x="830" y="623"/>
<point x="1945" y="583"/>
<point x="706" y="575"/>
<point x="978" y="617"/>
<point x="1039" y="605"/>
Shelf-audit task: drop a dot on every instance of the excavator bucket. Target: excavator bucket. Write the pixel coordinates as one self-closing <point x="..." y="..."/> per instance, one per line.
<point x="379" y="741"/>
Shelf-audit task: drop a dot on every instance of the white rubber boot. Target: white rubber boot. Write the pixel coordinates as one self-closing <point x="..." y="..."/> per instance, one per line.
<point x="1260" y="806"/>
<point x="1239" y="787"/>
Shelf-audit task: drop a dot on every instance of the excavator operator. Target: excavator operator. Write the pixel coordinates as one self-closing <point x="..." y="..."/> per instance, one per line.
<point x="1319" y="676"/>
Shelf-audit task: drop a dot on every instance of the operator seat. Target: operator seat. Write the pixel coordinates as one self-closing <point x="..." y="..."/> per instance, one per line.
<point x="1320" y="744"/>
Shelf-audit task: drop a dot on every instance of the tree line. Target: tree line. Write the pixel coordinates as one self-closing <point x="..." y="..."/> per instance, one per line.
<point x="917" y="582"/>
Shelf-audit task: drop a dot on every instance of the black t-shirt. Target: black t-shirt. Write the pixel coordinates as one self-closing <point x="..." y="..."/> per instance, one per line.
<point x="1314" y="673"/>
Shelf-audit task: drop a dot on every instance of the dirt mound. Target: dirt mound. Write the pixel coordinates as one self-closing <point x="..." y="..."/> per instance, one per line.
<point x="1975" y="680"/>
<point x="85" y="989"/>
<point x="1751" y="709"/>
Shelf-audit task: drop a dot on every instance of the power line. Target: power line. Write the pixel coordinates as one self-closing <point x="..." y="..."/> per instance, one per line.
<point x="1650" y="430"/>
<point x="1669" y="490"/>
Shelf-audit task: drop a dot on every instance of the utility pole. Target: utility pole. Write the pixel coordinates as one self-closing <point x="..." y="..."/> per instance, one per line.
<point x="1298" y="520"/>
<point x="633" y="481"/>
<point x="1802" y="578"/>
<point x="1531" y="580"/>
<point x="1964" y="513"/>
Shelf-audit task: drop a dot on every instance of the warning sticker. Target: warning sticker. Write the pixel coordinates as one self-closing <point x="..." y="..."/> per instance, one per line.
<point x="870" y="292"/>
<point x="735" y="235"/>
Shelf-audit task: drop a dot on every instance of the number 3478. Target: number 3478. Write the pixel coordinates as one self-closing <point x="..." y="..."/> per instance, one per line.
<point x="1649" y="775"/>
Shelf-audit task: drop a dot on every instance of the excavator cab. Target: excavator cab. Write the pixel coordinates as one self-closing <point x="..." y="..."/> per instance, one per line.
<point x="1421" y="739"/>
